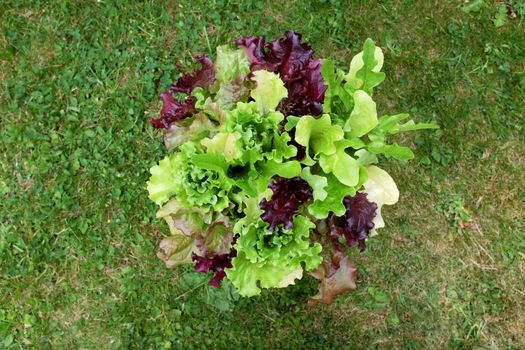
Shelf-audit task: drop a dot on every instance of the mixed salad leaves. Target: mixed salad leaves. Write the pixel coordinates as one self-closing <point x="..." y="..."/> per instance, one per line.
<point x="271" y="168"/>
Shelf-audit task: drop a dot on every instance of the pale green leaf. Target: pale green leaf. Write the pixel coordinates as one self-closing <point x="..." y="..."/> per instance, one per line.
<point x="364" y="116"/>
<point x="269" y="91"/>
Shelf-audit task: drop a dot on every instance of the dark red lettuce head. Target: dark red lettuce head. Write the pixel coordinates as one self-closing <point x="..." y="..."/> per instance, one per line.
<point x="296" y="66"/>
<point x="288" y="195"/>
<point x="356" y="223"/>
<point x="173" y="109"/>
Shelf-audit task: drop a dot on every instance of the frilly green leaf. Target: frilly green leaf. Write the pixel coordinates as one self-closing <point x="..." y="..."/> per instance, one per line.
<point x="334" y="201"/>
<point x="230" y="63"/>
<point x="269" y="91"/>
<point x="269" y="259"/>
<point x="163" y="181"/>
<point x="316" y="182"/>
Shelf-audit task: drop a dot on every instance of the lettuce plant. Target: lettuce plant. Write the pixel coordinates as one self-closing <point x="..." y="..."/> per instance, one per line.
<point x="271" y="171"/>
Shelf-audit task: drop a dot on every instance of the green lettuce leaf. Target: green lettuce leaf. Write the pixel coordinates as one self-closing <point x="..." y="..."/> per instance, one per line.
<point x="269" y="91"/>
<point x="202" y="179"/>
<point x="268" y="259"/>
<point x="316" y="182"/>
<point x="391" y="151"/>
<point x="342" y="165"/>
<point x="389" y="125"/>
<point x="337" y="98"/>
<point x="334" y="201"/>
<point x="225" y="144"/>
<point x="365" y="68"/>
<point x="363" y="117"/>
<point x="163" y="181"/>
<point x="318" y="135"/>
<point x="365" y="158"/>
<point x="230" y="64"/>
<point x="260" y="136"/>
<point x="290" y="278"/>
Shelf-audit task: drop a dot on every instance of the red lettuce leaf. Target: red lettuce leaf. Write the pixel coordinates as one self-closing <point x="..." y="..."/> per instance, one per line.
<point x="337" y="275"/>
<point x="296" y="66"/>
<point x="255" y="48"/>
<point x="357" y="222"/>
<point x="203" y="77"/>
<point x="215" y="250"/>
<point x="174" y="110"/>
<point x="288" y="195"/>
<point x="215" y="263"/>
<point x="216" y="239"/>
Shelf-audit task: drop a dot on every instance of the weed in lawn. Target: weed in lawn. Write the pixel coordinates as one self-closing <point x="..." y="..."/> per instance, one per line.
<point x="456" y="214"/>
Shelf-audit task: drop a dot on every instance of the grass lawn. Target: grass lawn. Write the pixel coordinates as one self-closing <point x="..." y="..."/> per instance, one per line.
<point x="79" y="82"/>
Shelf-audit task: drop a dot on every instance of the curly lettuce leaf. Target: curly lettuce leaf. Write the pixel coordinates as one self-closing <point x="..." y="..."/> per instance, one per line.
<point x="334" y="201"/>
<point x="294" y="62"/>
<point x="163" y="181"/>
<point x="203" y="77"/>
<point x="318" y="135"/>
<point x="356" y="223"/>
<point x="268" y="259"/>
<point x="214" y="263"/>
<point x="174" y="110"/>
<point x="202" y="179"/>
<point x="268" y="92"/>
<point x="260" y="136"/>
<point x="288" y="195"/>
